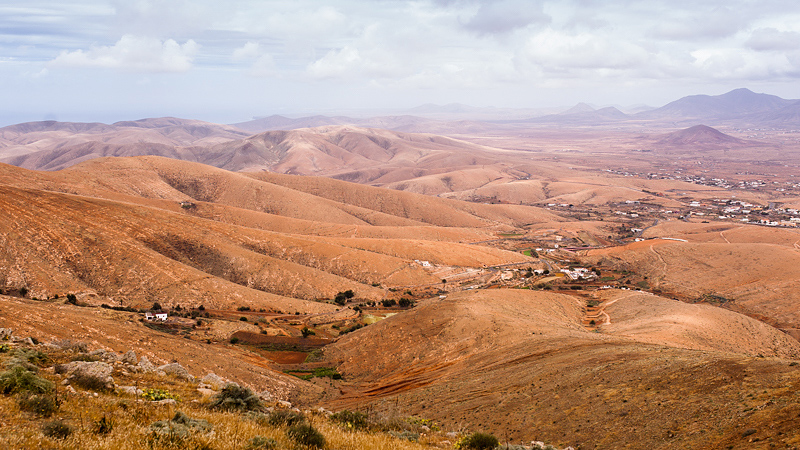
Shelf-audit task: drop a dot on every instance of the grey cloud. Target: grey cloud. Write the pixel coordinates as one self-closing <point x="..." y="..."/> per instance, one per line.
<point x="503" y="16"/>
<point x="692" y="25"/>
<point x="765" y="39"/>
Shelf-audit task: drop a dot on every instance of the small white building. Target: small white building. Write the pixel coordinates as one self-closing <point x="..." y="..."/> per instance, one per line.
<point x="155" y="315"/>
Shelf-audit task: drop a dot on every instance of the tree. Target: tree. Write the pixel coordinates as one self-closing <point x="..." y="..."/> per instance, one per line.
<point x="156" y="306"/>
<point x="307" y="332"/>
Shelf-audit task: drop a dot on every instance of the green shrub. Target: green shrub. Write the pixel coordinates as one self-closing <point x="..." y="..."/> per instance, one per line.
<point x="478" y="441"/>
<point x="21" y="379"/>
<point x="285" y="417"/>
<point x="261" y="443"/>
<point x="351" y="420"/>
<point x="236" y="398"/>
<point x="41" y="404"/>
<point x="306" y="332"/>
<point x="234" y="340"/>
<point x="56" y="429"/>
<point x="72" y="299"/>
<point x="306" y="435"/>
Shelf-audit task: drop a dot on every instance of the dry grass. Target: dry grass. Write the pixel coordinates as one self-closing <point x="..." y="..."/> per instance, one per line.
<point x="130" y="417"/>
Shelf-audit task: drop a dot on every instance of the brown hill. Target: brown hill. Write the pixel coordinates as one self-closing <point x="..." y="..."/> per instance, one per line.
<point x="516" y="362"/>
<point x="699" y="136"/>
<point x="56" y="145"/>
<point x="125" y="238"/>
<point x="755" y="278"/>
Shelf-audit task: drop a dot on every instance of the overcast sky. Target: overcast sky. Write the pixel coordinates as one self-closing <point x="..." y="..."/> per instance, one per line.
<point x="108" y="60"/>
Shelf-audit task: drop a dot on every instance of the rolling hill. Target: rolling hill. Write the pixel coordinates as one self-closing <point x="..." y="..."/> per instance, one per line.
<point x="122" y="237"/>
<point x="511" y="362"/>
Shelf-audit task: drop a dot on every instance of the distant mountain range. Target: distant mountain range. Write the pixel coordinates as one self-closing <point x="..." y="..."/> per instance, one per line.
<point x="740" y="107"/>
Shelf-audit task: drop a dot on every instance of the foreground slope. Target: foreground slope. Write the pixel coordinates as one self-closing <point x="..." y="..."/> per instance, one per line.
<point x="520" y="362"/>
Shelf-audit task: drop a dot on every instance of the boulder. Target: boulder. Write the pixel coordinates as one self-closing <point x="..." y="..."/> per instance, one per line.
<point x="129" y="390"/>
<point x="129" y="358"/>
<point x="213" y="381"/>
<point x="145" y="365"/>
<point x="6" y="333"/>
<point x="176" y="370"/>
<point x="89" y="375"/>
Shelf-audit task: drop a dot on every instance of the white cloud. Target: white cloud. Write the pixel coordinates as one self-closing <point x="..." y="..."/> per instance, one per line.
<point x="336" y="63"/>
<point x="133" y="53"/>
<point x="555" y="51"/>
<point x="738" y="64"/>
<point x="248" y="51"/>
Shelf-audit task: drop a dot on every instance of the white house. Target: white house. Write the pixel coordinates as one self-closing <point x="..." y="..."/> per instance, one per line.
<point x="155" y="315"/>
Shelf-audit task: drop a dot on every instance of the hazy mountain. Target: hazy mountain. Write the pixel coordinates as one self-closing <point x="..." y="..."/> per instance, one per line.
<point x="737" y="104"/>
<point x="699" y="135"/>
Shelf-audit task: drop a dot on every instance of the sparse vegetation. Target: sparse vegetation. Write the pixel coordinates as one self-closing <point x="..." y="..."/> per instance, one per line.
<point x="477" y="441"/>
<point x="56" y="429"/>
<point x="306" y="435"/>
<point x="236" y="398"/>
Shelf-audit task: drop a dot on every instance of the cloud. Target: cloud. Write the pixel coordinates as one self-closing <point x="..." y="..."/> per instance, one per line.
<point x="698" y="24"/>
<point x="766" y="39"/>
<point x="556" y="51"/>
<point x="262" y="64"/>
<point x="503" y="16"/>
<point x="336" y="63"/>
<point x="736" y="64"/>
<point x="133" y="53"/>
<point x="248" y="51"/>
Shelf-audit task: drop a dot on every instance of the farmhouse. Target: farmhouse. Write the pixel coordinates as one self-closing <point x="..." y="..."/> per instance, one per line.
<point x="155" y="315"/>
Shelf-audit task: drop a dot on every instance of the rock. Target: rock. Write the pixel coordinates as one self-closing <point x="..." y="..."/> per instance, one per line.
<point x="166" y="401"/>
<point x="213" y="381"/>
<point x="179" y="427"/>
<point x="145" y="365"/>
<point x="176" y="370"/>
<point x="284" y="404"/>
<point x="70" y="389"/>
<point x="28" y="341"/>
<point x="206" y="392"/>
<point x="129" y="358"/>
<point x="6" y="333"/>
<point x="265" y="396"/>
<point x="129" y="390"/>
<point x="451" y="434"/>
<point x="89" y="375"/>
<point x="323" y="411"/>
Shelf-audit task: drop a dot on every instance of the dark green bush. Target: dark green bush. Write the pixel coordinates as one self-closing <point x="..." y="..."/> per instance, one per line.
<point x="352" y="420"/>
<point x="42" y="404"/>
<point x="236" y="398"/>
<point x="56" y="429"/>
<point x="306" y="435"/>
<point x="285" y="417"/>
<point x="234" y="340"/>
<point x="479" y="441"/>
<point x="72" y="299"/>
<point x="20" y="379"/>
<point x="306" y="332"/>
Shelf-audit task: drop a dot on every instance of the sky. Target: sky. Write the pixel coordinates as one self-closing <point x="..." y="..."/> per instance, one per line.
<point x="226" y="62"/>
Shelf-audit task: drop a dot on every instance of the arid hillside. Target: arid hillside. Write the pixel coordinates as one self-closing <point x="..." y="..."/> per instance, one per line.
<point x="758" y="278"/>
<point x="115" y="231"/>
<point x="515" y="362"/>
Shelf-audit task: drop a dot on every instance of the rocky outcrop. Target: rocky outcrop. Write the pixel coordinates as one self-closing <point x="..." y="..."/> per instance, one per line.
<point x="94" y="375"/>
